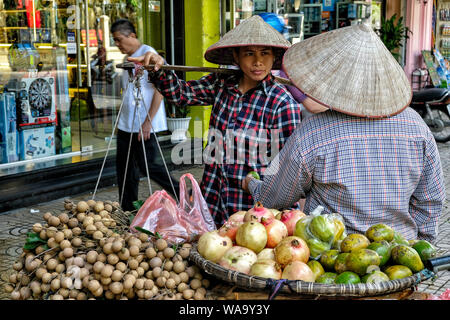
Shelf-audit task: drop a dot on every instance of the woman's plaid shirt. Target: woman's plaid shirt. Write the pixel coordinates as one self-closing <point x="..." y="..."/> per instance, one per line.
<point x="242" y="128"/>
<point x="369" y="171"/>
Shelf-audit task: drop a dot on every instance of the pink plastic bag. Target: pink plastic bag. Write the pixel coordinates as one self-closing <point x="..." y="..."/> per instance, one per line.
<point x="176" y="224"/>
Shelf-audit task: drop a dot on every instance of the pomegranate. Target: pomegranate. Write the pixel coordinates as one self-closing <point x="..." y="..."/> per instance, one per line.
<point x="238" y="259"/>
<point x="212" y="246"/>
<point x="230" y="227"/>
<point x="297" y="270"/>
<point x="276" y="231"/>
<point x="266" y="268"/>
<point x="290" y="218"/>
<point x="290" y="249"/>
<point x="266" y="253"/>
<point x="258" y="212"/>
<point x="252" y="235"/>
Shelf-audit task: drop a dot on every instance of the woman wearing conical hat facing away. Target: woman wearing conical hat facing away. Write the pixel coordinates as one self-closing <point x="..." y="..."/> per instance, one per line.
<point x="364" y="153"/>
<point x="252" y="115"/>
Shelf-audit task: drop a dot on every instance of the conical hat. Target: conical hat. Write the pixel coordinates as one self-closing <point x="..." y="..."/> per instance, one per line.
<point x="253" y="31"/>
<point x="349" y="70"/>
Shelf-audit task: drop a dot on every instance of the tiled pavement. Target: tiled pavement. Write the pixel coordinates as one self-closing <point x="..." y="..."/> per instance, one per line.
<point x="15" y="224"/>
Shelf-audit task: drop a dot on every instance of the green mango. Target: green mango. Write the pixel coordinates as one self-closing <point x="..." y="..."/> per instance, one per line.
<point x="360" y="259"/>
<point x="323" y="228"/>
<point x="383" y="249"/>
<point x="375" y="277"/>
<point x="301" y="228"/>
<point x="425" y="249"/>
<point x="407" y="256"/>
<point x="353" y="242"/>
<point x="316" y="247"/>
<point x="327" y="278"/>
<point x="399" y="239"/>
<point x="340" y="265"/>
<point x="379" y="232"/>
<point x="316" y="268"/>
<point x="348" y="277"/>
<point x="398" y="272"/>
<point x="328" y="258"/>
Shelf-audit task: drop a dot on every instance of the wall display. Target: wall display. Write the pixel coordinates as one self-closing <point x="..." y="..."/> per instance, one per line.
<point x="36" y="99"/>
<point x="443" y="28"/>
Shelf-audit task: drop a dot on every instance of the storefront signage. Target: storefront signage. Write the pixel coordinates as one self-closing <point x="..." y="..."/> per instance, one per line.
<point x="154" y="6"/>
<point x="92" y="37"/>
<point x="71" y="45"/>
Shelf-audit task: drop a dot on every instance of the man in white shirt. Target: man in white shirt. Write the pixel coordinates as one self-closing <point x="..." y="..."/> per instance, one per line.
<point x="132" y="117"/>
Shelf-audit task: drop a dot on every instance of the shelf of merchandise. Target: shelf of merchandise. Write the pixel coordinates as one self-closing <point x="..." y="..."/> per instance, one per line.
<point x="442" y="37"/>
<point x="357" y="19"/>
<point x="312" y="22"/>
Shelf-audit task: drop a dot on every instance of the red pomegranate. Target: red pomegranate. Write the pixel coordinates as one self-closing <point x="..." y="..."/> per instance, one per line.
<point x="290" y="218"/>
<point x="290" y="249"/>
<point x="230" y="227"/>
<point x="276" y="231"/>
<point x="258" y="212"/>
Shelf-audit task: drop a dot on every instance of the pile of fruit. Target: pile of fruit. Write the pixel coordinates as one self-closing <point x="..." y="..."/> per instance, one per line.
<point x="315" y="248"/>
<point x="87" y="252"/>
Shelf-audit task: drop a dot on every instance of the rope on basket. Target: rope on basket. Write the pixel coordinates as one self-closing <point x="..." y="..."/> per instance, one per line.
<point x="274" y="286"/>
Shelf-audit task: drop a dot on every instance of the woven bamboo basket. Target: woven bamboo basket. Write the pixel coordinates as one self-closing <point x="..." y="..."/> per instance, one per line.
<point x="311" y="289"/>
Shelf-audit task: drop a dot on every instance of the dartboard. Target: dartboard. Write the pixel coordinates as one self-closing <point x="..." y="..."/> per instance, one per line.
<point x="40" y="95"/>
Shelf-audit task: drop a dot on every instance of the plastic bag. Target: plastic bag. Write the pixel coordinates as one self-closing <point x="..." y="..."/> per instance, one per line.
<point x="176" y="223"/>
<point x="321" y="231"/>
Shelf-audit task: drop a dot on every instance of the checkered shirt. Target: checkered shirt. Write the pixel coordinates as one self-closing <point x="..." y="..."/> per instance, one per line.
<point x="232" y="150"/>
<point x="370" y="171"/>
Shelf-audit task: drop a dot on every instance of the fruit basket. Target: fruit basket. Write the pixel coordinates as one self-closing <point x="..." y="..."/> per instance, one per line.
<point x="255" y="283"/>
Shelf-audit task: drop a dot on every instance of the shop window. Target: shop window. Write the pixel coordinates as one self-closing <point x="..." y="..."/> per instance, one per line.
<point x="59" y="88"/>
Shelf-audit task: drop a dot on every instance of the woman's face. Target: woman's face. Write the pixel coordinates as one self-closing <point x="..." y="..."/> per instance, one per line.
<point x="255" y="62"/>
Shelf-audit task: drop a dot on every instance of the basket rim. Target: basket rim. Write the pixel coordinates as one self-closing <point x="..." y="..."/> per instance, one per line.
<point x="300" y="287"/>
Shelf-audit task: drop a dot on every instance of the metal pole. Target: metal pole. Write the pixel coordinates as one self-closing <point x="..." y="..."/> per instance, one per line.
<point x="88" y="62"/>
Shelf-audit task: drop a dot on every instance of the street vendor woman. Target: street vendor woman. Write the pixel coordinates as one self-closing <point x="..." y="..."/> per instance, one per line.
<point x="364" y="153"/>
<point x="252" y="114"/>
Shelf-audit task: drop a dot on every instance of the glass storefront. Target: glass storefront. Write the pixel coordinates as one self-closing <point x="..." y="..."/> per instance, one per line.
<point x="303" y="18"/>
<point x="60" y="90"/>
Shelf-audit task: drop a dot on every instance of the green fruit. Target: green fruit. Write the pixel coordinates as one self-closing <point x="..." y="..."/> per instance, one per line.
<point x="301" y="228"/>
<point x="425" y="250"/>
<point x="327" y="278"/>
<point x="328" y="258"/>
<point x="340" y="232"/>
<point x="353" y="242"/>
<point x="360" y="259"/>
<point x="316" y="268"/>
<point x="408" y="257"/>
<point x="379" y="232"/>
<point x="340" y="265"/>
<point x="254" y="174"/>
<point x="383" y="249"/>
<point x="398" y="272"/>
<point x="276" y="213"/>
<point x="375" y="277"/>
<point x="323" y="228"/>
<point x="347" y="277"/>
<point x="316" y="247"/>
<point x="399" y="239"/>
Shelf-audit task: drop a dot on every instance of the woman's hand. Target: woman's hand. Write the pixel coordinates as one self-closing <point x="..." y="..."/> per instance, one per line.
<point x="146" y="130"/>
<point x="149" y="58"/>
<point x="246" y="182"/>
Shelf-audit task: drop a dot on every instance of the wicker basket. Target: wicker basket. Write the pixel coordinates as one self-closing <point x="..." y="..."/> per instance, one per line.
<point x="254" y="283"/>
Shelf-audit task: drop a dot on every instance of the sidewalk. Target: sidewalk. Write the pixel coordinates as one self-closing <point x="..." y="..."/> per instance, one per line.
<point x="15" y="224"/>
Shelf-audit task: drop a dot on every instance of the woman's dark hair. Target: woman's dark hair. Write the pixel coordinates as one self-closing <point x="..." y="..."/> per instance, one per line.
<point x="124" y="26"/>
